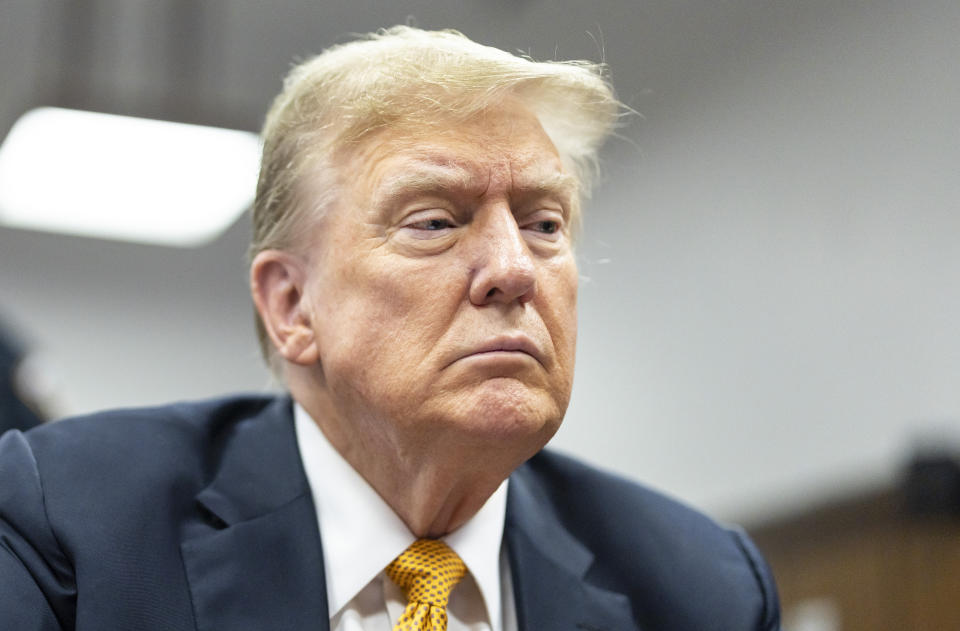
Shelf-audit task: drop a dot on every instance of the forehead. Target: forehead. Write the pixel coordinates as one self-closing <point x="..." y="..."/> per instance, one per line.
<point x="503" y="148"/>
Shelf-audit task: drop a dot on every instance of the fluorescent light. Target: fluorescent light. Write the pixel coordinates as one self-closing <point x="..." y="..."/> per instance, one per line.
<point x="124" y="178"/>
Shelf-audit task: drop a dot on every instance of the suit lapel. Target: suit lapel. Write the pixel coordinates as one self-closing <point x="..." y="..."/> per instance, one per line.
<point x="549" y="565"/>
<point x="256" y="563"/>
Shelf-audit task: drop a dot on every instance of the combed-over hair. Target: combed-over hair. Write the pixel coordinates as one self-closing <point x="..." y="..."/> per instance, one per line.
<point x="408" y="76"/>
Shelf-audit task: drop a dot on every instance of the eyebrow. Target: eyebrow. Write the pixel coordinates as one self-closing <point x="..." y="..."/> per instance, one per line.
<point x="559" y="184"/>
<point x="432" y="179"/>
<point x="437" y="178"/>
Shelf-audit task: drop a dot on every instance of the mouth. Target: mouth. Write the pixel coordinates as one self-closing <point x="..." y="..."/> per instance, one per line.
<point x="506" y="346"/>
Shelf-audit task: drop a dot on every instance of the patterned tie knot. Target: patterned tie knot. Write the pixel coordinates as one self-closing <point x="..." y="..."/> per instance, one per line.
<point x="427" y="572"/>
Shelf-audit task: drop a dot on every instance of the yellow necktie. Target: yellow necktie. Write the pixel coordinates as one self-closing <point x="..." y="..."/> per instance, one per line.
<point x="427" y="572"/>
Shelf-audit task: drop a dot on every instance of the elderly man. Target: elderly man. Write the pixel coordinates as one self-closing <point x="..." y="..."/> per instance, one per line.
<point x="415" y="284"/>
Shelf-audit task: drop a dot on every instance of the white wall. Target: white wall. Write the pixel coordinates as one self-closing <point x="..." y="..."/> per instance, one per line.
<point x="780" y="314"/>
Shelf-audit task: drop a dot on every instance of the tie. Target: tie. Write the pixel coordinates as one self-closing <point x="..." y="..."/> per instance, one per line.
<point x="427" y="572"/>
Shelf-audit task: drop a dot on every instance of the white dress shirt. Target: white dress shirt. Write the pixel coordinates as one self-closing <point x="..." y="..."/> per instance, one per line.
<point x="361" y="534"/>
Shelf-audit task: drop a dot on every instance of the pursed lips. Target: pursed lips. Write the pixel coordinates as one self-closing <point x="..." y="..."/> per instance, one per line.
<point x="506" y="344"/>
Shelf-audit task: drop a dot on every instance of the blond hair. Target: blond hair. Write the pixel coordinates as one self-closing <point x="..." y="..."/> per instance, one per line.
<point x="407" y="76"/>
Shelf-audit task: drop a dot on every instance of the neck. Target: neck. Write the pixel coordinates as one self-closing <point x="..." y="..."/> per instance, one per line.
<point x="432" y="508"/>
<point x="435" y="483"/>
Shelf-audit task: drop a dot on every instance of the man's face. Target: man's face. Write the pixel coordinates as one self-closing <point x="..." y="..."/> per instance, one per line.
<point x="442" y="285"/>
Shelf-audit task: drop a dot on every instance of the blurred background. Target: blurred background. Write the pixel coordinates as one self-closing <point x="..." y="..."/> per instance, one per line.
<point x="770" y="294"/>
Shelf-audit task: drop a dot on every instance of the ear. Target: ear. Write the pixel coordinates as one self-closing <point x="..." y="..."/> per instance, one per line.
<point x="277" y="281"/>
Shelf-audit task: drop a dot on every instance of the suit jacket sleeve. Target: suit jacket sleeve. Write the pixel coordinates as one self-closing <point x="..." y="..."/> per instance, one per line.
<point x="770" y="613"/>
<point x="37" y="588"/>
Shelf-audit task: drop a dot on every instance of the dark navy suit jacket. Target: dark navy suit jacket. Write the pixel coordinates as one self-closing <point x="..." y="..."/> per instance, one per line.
<point x="198" y="516"/>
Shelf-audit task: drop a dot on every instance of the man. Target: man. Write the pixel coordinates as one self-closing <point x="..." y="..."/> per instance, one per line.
<point x="415" y="284"/>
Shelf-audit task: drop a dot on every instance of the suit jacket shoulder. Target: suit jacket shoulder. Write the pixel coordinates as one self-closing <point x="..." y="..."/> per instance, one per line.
<point x="678" y="569"/>
<point x="199" y="516"/>
<point x="184" y="516"/>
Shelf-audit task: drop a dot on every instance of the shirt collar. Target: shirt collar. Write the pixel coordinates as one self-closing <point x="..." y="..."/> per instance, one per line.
<point x="361" y="534"/>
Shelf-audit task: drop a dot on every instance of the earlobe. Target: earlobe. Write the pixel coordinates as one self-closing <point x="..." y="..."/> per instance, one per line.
<point x="277" y="287"/>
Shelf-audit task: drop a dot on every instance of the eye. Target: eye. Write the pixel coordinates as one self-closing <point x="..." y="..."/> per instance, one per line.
<point x="547" y="226"/>
<point x="431" y="225"/>
<point x="428" y="225"/>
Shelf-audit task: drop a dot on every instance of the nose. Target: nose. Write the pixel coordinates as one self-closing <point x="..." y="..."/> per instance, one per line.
<point x="503" y="266"/>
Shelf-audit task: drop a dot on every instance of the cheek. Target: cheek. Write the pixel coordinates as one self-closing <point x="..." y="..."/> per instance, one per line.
<point x="385" y="310"/>
<point x="562" y="299"/>
<point x="565" y="325"/>
<point x="411" y="301"/>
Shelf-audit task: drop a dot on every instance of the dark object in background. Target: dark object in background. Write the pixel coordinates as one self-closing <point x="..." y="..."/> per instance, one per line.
<point x="14" y="413"/>
<point x="932" y="484"/>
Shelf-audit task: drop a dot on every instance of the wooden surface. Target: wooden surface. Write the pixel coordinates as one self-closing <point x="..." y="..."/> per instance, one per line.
<point x="876" y="565"/>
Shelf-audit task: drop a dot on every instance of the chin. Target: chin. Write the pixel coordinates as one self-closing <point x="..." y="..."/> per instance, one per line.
<point x="511" y="412"/>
